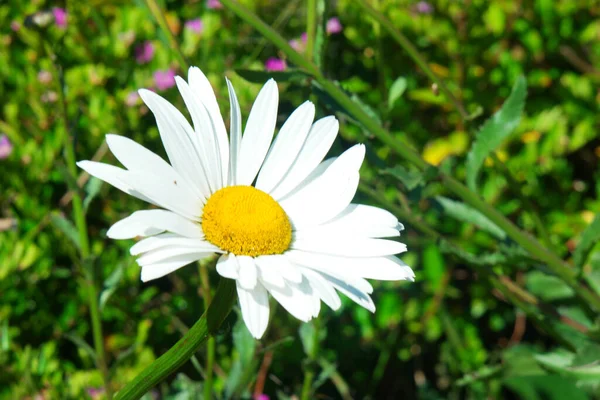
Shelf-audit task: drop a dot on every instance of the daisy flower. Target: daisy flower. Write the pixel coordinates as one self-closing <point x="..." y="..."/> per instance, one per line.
<point x="279" y="217"/>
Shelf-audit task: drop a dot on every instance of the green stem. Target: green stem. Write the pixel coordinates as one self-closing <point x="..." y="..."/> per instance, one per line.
<point x="311" y="28"/>
<point x="309" y="373"/>
<point x="210" y="345"/>
<point x="154" y="8"/>
<point x="516" y="188"/>
<point x="181" y="352"/>
<point x="413" y="53"/>
<point x="553" y="262"/>
<point x="81" y="225"/>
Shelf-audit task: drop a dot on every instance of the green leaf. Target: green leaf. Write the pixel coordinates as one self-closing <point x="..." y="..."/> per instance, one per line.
<point x="433" y="264"/>
<point x="91" y="189"/>
<point x="110" y="285"/>
<point x="589" y="237"/>
<point x="82" y="344"/>
<point x="256" y="76"/>
<point x="465" y="213"/>
<point x="66" y="226"/>
<point x="495" y="130"/>
<point x="547" y="287"/>
<point x="544" y="387"/>
<point x="396" y="91"/>
<point x="410" y="179"/>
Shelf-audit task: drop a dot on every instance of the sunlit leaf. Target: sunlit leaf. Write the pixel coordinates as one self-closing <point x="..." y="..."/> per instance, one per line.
<point x="495" y="130"/>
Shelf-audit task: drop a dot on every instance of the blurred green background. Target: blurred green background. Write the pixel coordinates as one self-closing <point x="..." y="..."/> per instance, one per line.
<point x="457" y="332"/>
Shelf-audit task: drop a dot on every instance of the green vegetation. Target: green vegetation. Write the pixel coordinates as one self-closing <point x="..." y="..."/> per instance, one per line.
<point x="480" y="119"/>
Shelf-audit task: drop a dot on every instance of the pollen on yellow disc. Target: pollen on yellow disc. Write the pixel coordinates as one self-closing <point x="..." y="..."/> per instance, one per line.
<point x="244" y="220"/>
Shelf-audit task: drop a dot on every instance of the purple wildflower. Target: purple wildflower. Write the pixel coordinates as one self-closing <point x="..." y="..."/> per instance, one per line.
<point x="44" y="77"/>
<point x="275" y="64"/>
<point x="15" y="26"/>
<point x="132" y="99"/>
<point x="60" y="17"/>
<point x="334" y="26"/>
<point x="6" y="147"/>
<point x="214" y="4"/>
<point x="261" y="397"/>
<point x="195" y="25"/>
<point x="144" y="52"/>
<point x="164" y="79"/>
<point x="423" y="7"/>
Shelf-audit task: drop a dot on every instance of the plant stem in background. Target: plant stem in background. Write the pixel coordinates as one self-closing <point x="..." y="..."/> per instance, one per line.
<point x="532" y="245"/>
<point x="311" y="28"/>
<point x="419" y="59"/>
<point x="180" y="353"/>
<point x="81" y="225"/>
<point x="309" y="373"/>
<point x="414" y="54"/>
<point x="210" y="345"/>
<point x="164" y="26"/>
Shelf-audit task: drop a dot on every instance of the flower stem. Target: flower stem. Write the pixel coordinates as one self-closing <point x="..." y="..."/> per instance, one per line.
<point x="210" y="345"/>
<point x="311" y="28"/>
<point x="176" y="356"/>
<point x="81" y="225"/>
<point x="529" y="243"/>
<point x="309" y="373"/>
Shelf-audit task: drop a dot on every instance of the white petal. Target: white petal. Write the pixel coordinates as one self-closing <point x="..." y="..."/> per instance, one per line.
<point x="136" y="157"/>
<point x="235" y="134"/>
<point x="204" y="138"/>
<point x="286" y="269"/>
<point x="327" y="195"/>
<point x="323" y="288"/>
<point x="202" y="88"/>
<point x="317" y="144"/>
<point x="247" y="273"/>
<point x="177" y="136"/>
<point x="258" y="133"/>
<point x="286" y="146"/>
<point x="255" y="308"/>
<point x="348" y="246"/>
<point x="152" y="222"/>
<point x="228" y="267"/>
<point x="356" y="295"/>
<point x="170" y="239"/>
<point x="165" y="254"/>
<point x="161" y="269"/>
<point x="295" y="298"/>
<point x="269" y="270"/>
<point x="357" y="220"/>
<point x="387" y="268"/>
<point x="171" y="195"/>
<point x="114" y="176"/>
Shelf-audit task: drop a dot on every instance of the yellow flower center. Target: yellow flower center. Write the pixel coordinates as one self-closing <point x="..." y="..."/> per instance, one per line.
<point x="246" y="221"/>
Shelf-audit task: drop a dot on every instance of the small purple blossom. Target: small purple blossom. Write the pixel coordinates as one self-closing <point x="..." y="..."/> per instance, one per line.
<point x="95" y="393"/>
<point x="214" y="4"/>
<point x="164" y="79"/>
<point x="132" y="99"/>
<point x="195" y="25"/>
<point x="60" y="17"/>
<point x="423" y="7"/>
<point x="6" y="147"/>
<point x="15" y="26"/>
<point x="304" y="37"/>
<point x="261" y="397"/>
<point x="44" y="77"/>
<point x="144" y="52"/>
<point x="334" y="26"/>
<point x="297" y="45"/>
<point x="275" y="64"/>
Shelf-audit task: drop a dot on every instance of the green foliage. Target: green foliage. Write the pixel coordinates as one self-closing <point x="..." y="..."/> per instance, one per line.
<point x="496" y="130"/>
<point x="456" y="332"/>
